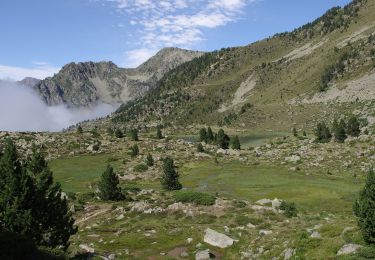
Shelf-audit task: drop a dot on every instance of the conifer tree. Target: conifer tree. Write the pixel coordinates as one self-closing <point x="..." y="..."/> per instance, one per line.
<point x="236" y="145"/>
<point x="364" y="209"/>
<point x="295" y="133"/>
<point x="79" y="129"/>
<point x="134" y="151"/>
<point x="210" y="135"/>
<point x="222" y="139"/>
<point x="200" y="148"/>
<point x="31" y="204"/>
<point x="339" y="131"/>
<point x="109" y="185"/>
<point x="134" y="134"/>
<point x="353" y="128"/>
<point x="203" y="135"/>
<point x="169" y="180"/>
<point x="119" y="133"/>
<point x="322" y="133"/>
<point x="159" y="134"/>
<point x="149" y="160"/>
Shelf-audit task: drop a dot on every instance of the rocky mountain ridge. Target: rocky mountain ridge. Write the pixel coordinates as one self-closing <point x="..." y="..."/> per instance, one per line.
<point x="87" y="83"/>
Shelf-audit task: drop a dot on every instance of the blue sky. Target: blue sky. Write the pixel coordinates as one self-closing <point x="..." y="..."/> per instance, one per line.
<point x="39" y="36"/>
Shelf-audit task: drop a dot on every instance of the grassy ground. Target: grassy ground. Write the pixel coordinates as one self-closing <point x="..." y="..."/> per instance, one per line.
<point x="314" y="192"/>
<point x="75" y="174"/>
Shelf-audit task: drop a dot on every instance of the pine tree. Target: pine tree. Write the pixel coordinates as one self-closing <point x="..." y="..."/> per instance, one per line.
<point x="119" y="133"/>
<point x="322" y="133"/>
<point x="353" y="128"/>
<point x="295" y="133"/>
<point x="109" y="185"/>
<point x="210" y="135"/>
<point x="222" y="139"/>
<point x="200" y="148"/>
<point x="134" y="151"/>
<point x="364" y="209"/>
<point x="79" y="129"/>
<point x="110" y="131"/>
<point x="30" y="203"/>
<point x="169" y="180"/>
<point x="339" y="131"/>
<point x="134" y="134"/>
<point x="149" y="160"/>
<point x="56" y="227"/>
<point x="236" y="143"/>
<point x="159" y="134"/>
<point x="203" y="135"/>
<point x="95" y="132"/>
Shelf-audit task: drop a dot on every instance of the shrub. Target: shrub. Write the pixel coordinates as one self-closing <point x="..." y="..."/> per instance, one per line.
<point x="134" y="151"/>
<point x="197" y="198"/>
<point x="242" y="220"/>
<point x="289" y="208"/>
<point x="141" y="168"/>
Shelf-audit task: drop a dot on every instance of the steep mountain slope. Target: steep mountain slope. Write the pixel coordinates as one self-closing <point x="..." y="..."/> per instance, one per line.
<point x="29" y="82"/>
<point x="271" y="84"/>
<point x="88" y="83"/>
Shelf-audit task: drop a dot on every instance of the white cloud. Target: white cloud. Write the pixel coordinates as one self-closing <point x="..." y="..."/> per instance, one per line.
<point x="179" y="23"/>
<point x="40" y="71"/>
<point x="136" y="57"/>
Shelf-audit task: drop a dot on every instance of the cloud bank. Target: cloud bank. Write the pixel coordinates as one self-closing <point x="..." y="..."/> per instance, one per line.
<point x="21" y="109"/>
<point x="177" y="23"/>
<point x="41" y="70"/>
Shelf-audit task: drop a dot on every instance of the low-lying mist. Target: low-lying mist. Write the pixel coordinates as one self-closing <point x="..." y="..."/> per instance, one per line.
<point x="21" y="109"/>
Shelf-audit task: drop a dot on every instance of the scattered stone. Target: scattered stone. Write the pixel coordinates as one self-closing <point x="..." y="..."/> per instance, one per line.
<point x="276" y="203"/>
<point x="315" y="234"/>
<point x="289" y="253"/>
<point x="293" y="159"/>
<point x="120" y="217"/>
<point x="348" y="249"/>
<point x="265" y="232"/>
<point x="217" y="239"/>
<point x="203" y="255"/>
<point x="189" y="240"/>
<point x="250" y="225"/>
<point x="264" y="202"/>
<point x="87" y="248"/>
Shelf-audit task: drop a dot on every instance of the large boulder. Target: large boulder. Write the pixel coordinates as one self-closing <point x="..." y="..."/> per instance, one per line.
<point x="203" y="255"/>
<point x="348" y="249"/>
<point x="217" y="239"/>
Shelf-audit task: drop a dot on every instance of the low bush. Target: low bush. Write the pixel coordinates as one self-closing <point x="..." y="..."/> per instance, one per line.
<point x="289" y="208"/>
<point x="197" y="198"/>
<point x="141" y="168"/>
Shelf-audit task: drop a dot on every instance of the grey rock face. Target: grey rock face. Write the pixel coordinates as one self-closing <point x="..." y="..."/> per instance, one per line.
<point x="85" y="84"/>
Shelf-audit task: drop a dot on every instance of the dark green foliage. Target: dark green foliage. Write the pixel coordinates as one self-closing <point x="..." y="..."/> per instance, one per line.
<point x="210" y="135"/>
<point x="134" y="151"/>
<point x="31" y="204"/>
<point x="95" y="132"/>
<point x="294" y="131"/>
<point x="159" y="134"/>
<point x="109" y="186"/>
<point x="141" y="168"/>
<point x="169" y="180"/>
<point x="289" y="208"/>
<point x="110" y="131"/>
<point x="79" y="129"/>
<point x="245" y="108"/>
<point x="200" y="148"/>
<point x="134" y="134"/>
<point x="236" y="145"/>
<point x="322" y="133"/>
<point x="198" y="198"/>
<point x="222" y="139"/>
<point x="242" y="220"/>
<point x="353" y="127"/>
<point x="339" y="130"/>
<point x="304" y="133"/>
<point x="119" y="133"/>
<point x="149" y="160"/>
<point x="364" y="209"/>
<point x="15" y="246"/>
<point x="203" y="135"/>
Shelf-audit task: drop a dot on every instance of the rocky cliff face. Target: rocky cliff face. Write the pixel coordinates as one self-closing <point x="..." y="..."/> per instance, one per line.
<point x="29" y="82"/>
<point x="88" y="83"/>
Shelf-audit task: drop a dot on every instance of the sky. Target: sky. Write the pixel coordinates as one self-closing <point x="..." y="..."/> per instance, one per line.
<point x="38" y="37"/>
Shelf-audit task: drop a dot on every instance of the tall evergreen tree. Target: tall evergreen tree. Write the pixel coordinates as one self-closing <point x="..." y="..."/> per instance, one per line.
<point x="134" y="134"/>
<point x="79" y="129"/>
<point x="203" y="135"/>
<point x="210" y="135"/>
<point x="353" y="127"/>
<point x="149" y="160"/>
<point x="236" y="145"/>
<point x="339" y="130"/>
<point x="222" y="139"/>
<point x="295" y="133"/>
<point x="200" y="148"/>
<point x="169" y="180"/>
<point x="109" y="185"/>
<point x="322" y="133"/>
<point x="30" y="203"/>
<point x="134" y="151"/>
<point x="119" y="133"/>
<point x="364" y="209"/>
<point x="159" y="134"/>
